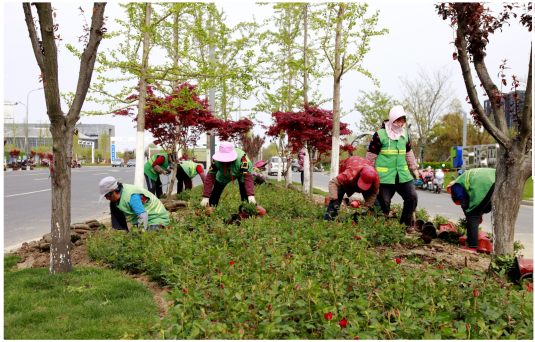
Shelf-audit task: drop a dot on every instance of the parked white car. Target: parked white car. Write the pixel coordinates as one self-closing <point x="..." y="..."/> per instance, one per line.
<point x="273" y="165"/>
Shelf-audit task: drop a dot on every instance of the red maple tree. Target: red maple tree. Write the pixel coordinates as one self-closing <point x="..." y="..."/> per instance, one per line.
<point x="311" y="128"/>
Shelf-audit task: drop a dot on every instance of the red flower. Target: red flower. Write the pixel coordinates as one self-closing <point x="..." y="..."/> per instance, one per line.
<point x="335" y="236"/>
<point x="288" y="256"/>
<point x="357" y="237"/>
<point x="343" y="323"/>
<point x="239" y="230"/>
<point x="222" y="286"/>
<point x="273" y="204"/>
<point x="397" y="313"/>
<point x="328" y="316"/>
<point x="376" y="234"/>
<point x="233" y="262"/>
<point x="185" y="291"/>
<point x="154" y="259"/>
<point x="476" y="293"/>
<point x="398" y="261"/>
<point x="440" y="326"/>
<point x="356" y="338"/>
<point x="245" y="245"/>
<point x="467" y="327"/>
<point x="269" y="307"/>
<point x="290" y="233"/>
<point x="296" y="287"/>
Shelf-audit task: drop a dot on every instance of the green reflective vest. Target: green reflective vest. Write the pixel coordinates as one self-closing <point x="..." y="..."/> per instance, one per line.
<point x="477" y="183"/>
<point x="190" y="168"/>
<point x="155" y="209"/>
<point x="149" y="170"/>
<point x="391" y="159"/>
<point x="226" y="172"/>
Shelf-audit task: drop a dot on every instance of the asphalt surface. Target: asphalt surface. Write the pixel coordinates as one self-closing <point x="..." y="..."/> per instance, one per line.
<point x="441" y="204"/>
<point x="27" y="199"/>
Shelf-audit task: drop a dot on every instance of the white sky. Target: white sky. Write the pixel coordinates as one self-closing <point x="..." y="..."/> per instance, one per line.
<point x="418" y="38"/>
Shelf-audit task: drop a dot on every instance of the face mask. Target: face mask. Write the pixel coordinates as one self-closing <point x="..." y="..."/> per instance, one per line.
<point x="397" y="126"/>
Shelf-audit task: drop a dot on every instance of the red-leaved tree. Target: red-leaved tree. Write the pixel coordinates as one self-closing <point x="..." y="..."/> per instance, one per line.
<point x="176" y="121"/>
<point x="474" y="23"/>
<point x="312" y="128"/>
<point x="252" y="145"/>
<point x="229" y="130"/>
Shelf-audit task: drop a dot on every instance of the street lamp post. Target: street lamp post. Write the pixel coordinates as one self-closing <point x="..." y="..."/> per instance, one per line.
<point x="26" y="147"/>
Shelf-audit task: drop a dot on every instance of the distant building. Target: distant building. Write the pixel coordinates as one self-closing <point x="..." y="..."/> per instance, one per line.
<point x="511" y="107"/>
<point x="39" y="134"/>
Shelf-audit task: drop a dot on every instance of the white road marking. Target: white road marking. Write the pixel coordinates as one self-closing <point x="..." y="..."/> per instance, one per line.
<point x="27" y="193"/>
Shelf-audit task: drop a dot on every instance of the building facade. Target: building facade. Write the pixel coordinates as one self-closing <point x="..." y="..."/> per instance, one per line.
<point x="511" y="107"/>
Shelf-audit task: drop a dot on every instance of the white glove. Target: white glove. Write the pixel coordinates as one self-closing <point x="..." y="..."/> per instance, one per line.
<point x="251" y="199"/>
<point x="204" y="202"/>
<point x="415" y="175"/>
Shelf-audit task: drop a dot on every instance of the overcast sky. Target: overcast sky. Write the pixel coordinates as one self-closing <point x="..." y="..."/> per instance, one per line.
<point x="418" y="38"/>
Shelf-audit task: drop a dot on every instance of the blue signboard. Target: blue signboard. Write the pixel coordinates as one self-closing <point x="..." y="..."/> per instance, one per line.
<point x="112" y="152"/>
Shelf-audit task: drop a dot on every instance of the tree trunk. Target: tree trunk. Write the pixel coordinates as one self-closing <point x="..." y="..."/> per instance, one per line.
<point x="305" y="45"/>
<point x="306" y="173"/>
<point x="279" y="160"/>
<point x="140" y="135"/>
<point x="512" y="172"/>
<point x="336" y="95"/>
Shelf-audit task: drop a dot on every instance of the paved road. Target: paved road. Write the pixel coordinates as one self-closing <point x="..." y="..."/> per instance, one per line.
<point x="27" y="208"/>
<point x="442" y="204"/>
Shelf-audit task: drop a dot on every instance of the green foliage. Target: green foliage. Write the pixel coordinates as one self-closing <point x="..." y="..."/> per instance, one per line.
<point x="10" y="260"/>
<point x="374" y="107"/>
<point x="85" y="304"/>
<point x="439" y="220"/>
<point x="438" y="165"/>
<point x="249" y="208"/>
<point x="461" y="226"/>
<point x="276" y="276"/>
<point x="421" y="214"/>
<point x="502" y="264"/>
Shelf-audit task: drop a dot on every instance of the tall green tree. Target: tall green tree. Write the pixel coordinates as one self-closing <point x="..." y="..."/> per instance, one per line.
<point x="374" y="107"/>
<point x="345" y="34"/>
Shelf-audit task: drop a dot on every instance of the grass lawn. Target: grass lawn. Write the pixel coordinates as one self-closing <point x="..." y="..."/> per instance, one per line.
<point x="88" y="303"/>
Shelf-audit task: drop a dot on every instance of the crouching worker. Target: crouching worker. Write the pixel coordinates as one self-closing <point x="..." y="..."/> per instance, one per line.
<point x="473" y="192"/>
<point x="132" y="203"/>
<point x="154" y="167"/>
<point x="258" y="177"/>
<point x="228" y="164"/>
<point x="186" y="171"/>
<point x="356" y="175"/>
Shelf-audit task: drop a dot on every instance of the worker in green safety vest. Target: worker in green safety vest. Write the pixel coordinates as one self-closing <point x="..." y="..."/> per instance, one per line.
<point x="473" y="192"/>
<point x="186" y="171"/>
<point x="134" y="204"/>
<point x="154" y="167"/>
<point x="228" y="164"/>
<point x="391" y="153"/>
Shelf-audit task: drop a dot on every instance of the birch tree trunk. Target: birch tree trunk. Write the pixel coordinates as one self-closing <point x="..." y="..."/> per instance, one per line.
<point x="336" y="95"/>
<point x="306" y="171"/>
<point x="140" y="134"/>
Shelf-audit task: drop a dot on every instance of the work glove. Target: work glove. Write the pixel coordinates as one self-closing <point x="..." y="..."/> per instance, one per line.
<point x="205" y="201"/>
<point x="415" y="175"/>
<point x="251" y="199"/>
<point x="143" y="220"/>
<point x="336" y="204"/>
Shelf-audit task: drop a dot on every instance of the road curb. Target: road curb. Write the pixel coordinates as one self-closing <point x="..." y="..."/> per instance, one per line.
<point x="528" y="203"/>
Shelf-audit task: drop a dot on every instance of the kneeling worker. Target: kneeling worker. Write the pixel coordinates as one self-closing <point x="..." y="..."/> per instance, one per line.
<point x="228" y="164"/>
<point x="356" y="175"/>
<point x="154" y="167"/>
<point x="186" y="171"/>
<point x="132" y="203"/>
<point x="473" y="192"/>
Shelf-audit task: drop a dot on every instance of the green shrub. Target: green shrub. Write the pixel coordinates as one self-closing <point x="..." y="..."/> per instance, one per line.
<point x="281" y="275"/>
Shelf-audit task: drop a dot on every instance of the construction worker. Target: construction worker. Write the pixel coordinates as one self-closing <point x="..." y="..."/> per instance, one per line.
<point x="228" y="164"/>
<point x="186" y="171"/>
<point x="154" y="167"/>
<point x="391" y="153"/>
<point x="356" y="175"/>
<point x="473" y="192"/>
<point x="132" y="203"/>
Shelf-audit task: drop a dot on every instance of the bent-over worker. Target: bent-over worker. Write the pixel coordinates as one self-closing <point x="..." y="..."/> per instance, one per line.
<point x="132" y="203"/>
<point x="356" y="175"/>
<point x="186" y="171"/>
<point x="473" y="192"/>
<point x="228" y="164"/>
<point x="154" y="167"/>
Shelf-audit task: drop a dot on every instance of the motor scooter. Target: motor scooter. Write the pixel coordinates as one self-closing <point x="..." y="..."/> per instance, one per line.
<point x="439" y="181"/>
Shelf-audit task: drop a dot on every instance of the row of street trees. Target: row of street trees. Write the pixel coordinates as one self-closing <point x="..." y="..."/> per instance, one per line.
<point x="229" y="64"/>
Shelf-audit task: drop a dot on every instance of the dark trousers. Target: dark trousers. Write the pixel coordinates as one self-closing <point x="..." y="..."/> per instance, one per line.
<point x="118" y="220"/>
<point x="154" y="187"/>
<point x="331" y="212"/>
<point x="302" y="178"/>
<point x="472" y="219"/>
<point x="406" y="191"/>
<point x="182" y="180"/>
<point x="218" y="190"/>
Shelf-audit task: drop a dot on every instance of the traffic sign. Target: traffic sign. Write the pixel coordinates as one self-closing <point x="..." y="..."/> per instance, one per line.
<point x="112" y="152"/>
